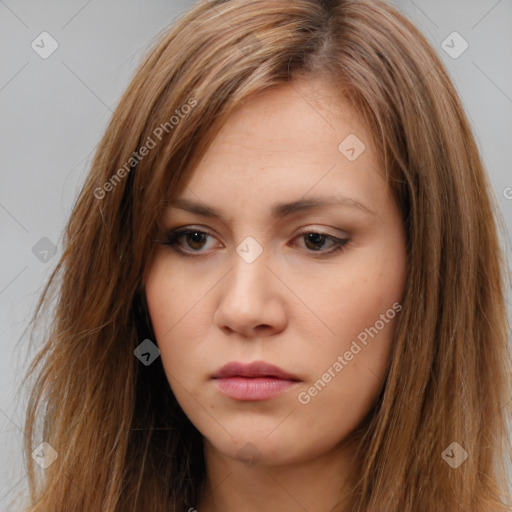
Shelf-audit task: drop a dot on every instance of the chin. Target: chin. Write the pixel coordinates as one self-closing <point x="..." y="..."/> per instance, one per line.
<point x="258" y="448"/>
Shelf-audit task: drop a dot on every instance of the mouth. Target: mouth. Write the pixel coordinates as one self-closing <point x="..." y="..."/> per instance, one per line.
<point x="255" y="381"/>
<point x="256" y="369"/>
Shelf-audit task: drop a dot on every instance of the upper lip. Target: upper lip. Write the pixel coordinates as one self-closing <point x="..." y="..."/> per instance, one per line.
<point x="254" y="369"/>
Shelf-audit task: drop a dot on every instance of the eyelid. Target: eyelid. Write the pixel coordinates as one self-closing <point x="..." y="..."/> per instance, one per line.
<point x="308" y="229"/>
<point x="322" y="230"/>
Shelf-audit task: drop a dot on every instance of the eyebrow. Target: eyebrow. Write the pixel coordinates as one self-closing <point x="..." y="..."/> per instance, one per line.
<point x="278" y="211"/>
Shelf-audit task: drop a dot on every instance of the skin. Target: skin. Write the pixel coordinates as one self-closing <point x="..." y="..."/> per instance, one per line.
<point x="291" y="307"/>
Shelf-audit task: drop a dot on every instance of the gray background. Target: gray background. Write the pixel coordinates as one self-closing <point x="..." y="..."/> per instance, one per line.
<point x="54" y="111"/>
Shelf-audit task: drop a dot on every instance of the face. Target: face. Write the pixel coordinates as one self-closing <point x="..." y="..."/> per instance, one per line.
<point x="313" y="289"/>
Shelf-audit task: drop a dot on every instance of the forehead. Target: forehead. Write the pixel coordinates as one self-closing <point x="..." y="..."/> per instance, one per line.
<point x="297" y="141"/>
<point x="299" y="116"/>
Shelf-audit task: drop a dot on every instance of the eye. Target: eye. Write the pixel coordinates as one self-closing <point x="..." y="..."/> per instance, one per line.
<point x="196" y="240"/>
<point x="314" y="241"/>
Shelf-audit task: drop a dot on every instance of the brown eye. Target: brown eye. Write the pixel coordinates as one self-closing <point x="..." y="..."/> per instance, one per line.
<point x="195" y="239"/>
<point x="314" y="241"/>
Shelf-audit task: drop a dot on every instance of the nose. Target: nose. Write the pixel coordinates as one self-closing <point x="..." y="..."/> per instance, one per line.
<point x="252" y="300"/>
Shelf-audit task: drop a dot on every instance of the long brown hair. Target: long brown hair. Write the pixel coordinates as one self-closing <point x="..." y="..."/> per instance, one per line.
<point x="123" y="442"/>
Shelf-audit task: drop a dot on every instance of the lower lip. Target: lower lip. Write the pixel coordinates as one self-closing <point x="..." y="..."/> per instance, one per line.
<point x="258" y="388"/>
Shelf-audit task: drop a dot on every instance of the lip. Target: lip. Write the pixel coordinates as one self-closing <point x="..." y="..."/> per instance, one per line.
<point x="254" y="381"/>
<point x="254" y="369"/>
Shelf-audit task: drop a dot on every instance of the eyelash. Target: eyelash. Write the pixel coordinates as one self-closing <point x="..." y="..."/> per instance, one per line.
<point x="173" y="237"/>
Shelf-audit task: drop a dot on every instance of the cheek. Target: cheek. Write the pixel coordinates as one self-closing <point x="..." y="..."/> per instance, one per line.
<point x="164" y="309"/>
<point x="172" y="296"/>
<point x="378" y="279"/>
<point x="347" y="374"/>
<point x="159" y="293"/>
<point x="351" y="302"/>
<point x="361" y="314"/>
<point x="178" y="317"/>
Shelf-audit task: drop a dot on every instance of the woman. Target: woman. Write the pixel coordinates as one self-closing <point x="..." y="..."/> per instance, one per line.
<point x="282" y="286"/>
